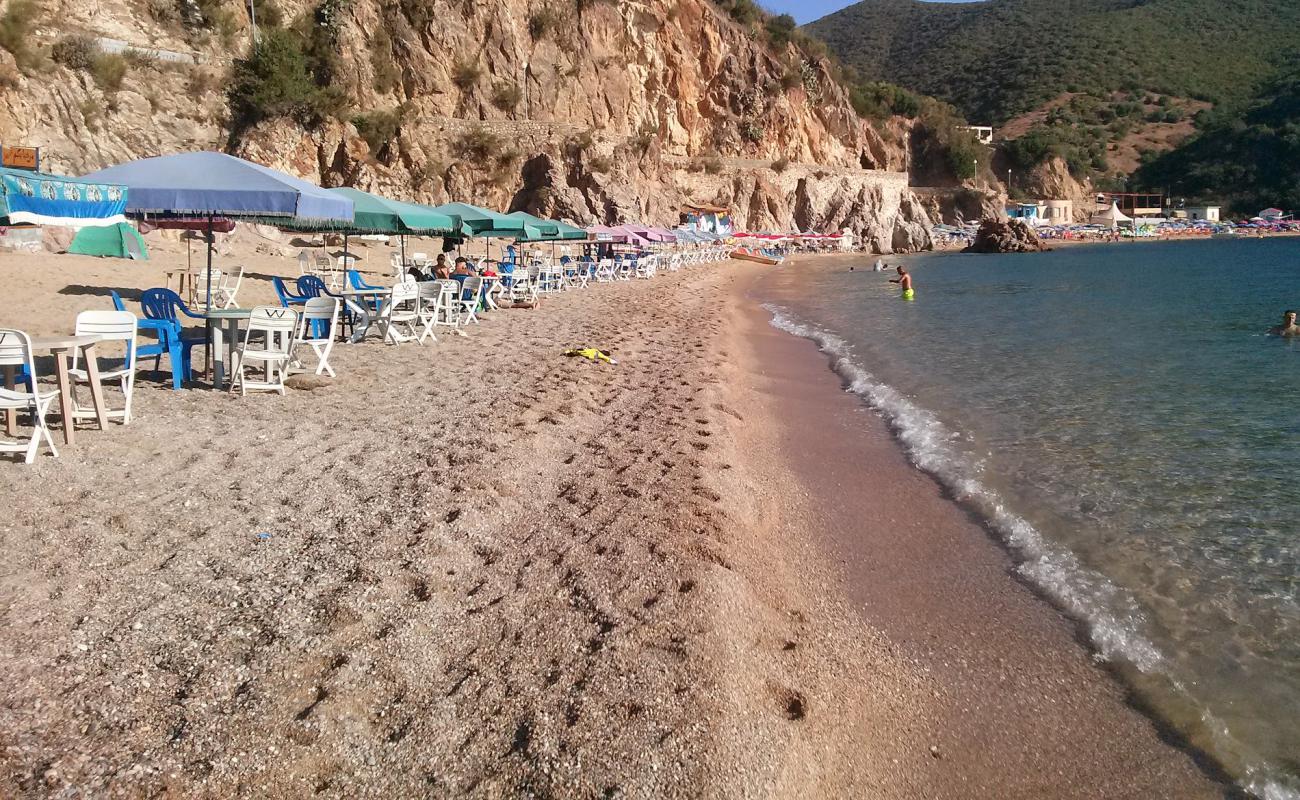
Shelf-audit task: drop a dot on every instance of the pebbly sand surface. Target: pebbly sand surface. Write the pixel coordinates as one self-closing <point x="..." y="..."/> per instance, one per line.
<point x="493" y="571"/>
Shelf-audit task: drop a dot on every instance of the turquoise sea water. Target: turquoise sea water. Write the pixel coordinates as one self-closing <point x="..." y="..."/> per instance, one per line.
<point x="1119" y="417"/>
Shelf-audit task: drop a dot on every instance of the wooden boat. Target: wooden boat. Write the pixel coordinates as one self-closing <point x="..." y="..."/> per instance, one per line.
<point x="749" y="254"/>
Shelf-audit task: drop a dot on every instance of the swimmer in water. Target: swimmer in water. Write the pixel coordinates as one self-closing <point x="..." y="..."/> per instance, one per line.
<point x="904" y="282"/>
<point x="1288" y="326"/>
<point x="880" y="265"/>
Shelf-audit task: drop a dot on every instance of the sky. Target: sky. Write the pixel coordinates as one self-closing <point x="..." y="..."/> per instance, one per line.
<point x="809" y="10"/>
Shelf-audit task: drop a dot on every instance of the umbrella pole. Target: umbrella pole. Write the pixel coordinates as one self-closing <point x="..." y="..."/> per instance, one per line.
<point x="207" y="337"/>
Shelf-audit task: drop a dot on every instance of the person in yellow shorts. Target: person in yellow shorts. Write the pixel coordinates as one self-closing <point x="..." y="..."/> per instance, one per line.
<point x="904" y="282"/>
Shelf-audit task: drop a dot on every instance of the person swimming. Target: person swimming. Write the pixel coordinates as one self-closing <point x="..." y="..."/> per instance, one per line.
<point x="879" y="265"/>
<point x="904" y="282"/>
<point x="1288" y="326"/>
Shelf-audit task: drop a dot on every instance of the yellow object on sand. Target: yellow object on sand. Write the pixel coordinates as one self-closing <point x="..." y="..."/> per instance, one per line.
<point x="592" y="354"/>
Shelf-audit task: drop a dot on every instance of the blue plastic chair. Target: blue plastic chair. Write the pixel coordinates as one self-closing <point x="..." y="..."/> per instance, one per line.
<point x="161" y="347"/>
<point x="165" y="308"/>
<point x="355" y="281"/>
<point x="287" y="298"/>
<point x="311" y="286"/>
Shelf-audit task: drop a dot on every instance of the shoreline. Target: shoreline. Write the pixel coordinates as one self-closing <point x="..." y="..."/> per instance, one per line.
<point x="1011" y="671"/>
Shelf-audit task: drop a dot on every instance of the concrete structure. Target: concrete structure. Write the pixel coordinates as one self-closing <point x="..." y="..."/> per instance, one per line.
<point x="1060" y="212"/>
<point x="983" y="133"/>
<point x="1202" y="213"/>
<point x="1034" y="213"/>
<point x="1133" y="204"/>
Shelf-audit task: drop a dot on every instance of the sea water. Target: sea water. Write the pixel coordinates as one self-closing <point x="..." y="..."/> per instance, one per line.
<point x="1119" y="417"/>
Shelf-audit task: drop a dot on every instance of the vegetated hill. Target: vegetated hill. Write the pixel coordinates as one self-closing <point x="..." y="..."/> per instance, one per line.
<point x="1247" y="156"/>
<point x="996" y="59"/>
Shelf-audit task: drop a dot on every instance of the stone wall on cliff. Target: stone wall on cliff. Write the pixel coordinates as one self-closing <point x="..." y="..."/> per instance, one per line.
<point x="622" y="110"/>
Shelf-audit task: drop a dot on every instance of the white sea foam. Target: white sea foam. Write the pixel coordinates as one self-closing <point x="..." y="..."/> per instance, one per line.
<point x="1112" y="619"/>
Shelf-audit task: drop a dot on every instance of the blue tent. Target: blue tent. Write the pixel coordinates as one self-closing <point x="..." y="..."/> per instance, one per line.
<point x="207" y="184"/>
<point x="37" y="198"/>
<point x="216" y="185"/>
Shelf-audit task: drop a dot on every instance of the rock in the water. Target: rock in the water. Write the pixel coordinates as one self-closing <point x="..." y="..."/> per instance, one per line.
<point x="1005" y="236"/>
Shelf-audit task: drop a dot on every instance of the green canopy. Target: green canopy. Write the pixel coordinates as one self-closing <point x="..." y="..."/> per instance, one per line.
<point x="551" y="230"/>
<point x="115" y="241"/>
<point x="547" y="229"/>
<point x="375" y="214"/>
<point x="479" y="222"/>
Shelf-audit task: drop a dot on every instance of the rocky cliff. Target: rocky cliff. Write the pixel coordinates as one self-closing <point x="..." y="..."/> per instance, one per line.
<point x="592" y="110"/>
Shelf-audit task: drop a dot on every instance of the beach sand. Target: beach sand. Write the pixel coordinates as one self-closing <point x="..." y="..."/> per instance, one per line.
<point x="495" y="571"/>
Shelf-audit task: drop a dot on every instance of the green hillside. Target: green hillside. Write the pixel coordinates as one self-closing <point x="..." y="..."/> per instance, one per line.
<point x="996" y="59"/>
<point x="1247" y="158"/>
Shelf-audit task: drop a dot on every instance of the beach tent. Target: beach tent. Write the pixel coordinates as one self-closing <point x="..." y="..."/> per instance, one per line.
<point x="1111" y="217"/>
<point x="38" y="198"/>
<point x="113" y="241"/>
<point x="207" y="186"/>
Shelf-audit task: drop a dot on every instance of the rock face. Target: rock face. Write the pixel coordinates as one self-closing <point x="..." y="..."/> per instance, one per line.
<point x="1052" y="180"/>
<point x="1005" y="236"/>
<point x="593" y="111"/>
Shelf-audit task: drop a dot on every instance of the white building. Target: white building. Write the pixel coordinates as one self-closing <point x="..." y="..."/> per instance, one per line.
<point x="983" y="133"/>
<point x="1202" y="213"/>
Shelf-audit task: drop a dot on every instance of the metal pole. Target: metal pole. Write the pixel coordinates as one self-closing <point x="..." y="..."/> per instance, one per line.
<point x="252" y="14"/>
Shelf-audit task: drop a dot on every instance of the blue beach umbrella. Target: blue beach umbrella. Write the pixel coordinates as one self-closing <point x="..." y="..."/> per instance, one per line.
<point x="207" y="185"/>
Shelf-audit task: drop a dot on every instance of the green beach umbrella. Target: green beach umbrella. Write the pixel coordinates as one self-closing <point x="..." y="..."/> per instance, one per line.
<point x="551" y="230"/>
<point x="375" y="214"/>
<point x="479" y="222"/>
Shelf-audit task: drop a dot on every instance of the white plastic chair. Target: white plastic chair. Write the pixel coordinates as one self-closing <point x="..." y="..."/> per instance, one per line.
<point x="16" y="351"/>
<point x="318" y="309"/>
<point x="224" y="297"/>
<point x="429" y="307"/>
<point x="278" y="327"/>
<point x="469" y="305"/>
<point x="400" y="311"/>
<point x="199" y="288"/>
<point x="109" y="326"/>
<point x="304" y="263"/>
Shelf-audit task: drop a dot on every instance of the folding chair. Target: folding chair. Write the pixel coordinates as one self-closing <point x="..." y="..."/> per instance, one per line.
<point x="16" y="352"/>
<point x="320" y="316"/>
<point x="109" y="326"/>
<point x="278" y="328"/>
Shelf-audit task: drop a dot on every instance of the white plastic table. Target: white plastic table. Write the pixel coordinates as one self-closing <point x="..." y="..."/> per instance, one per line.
<point x="61" y="347"/>
<point x="224" y="342"/>
<point x="353" y="298"/>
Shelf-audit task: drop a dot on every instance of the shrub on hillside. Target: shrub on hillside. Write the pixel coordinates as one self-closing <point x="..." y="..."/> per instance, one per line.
<point x="75" y="52"/>
<point x="506" y="95"/>
<point x="542" y="21"/>
<point x="781" y="165"/>
<point x="108" y="70"/>
<point x="477" y="144"/>
<point x="465" y="74"/>
<point x="16" y="33"/>
<point x="780" y="29"/>
<point x="378" y="128"/>
<point x="276" y="81"/>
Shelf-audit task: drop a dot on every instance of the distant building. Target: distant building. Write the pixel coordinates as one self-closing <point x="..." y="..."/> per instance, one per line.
<point x="1030" y="213"/>
<point x="1043" y="212"/>
<point x="1059" y="212"/>
<point x="983" y="133"/>
<point x="1202" y="213"/>
<point x="1133" y="204"/>
<point x="1274" y="214"/>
